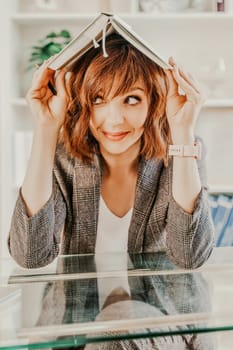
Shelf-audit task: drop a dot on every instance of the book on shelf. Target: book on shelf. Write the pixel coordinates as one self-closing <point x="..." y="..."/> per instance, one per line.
<point x="226" y="239"/>
<point x="213" y="201"/>
<point x="103" y="25"/>
<point x="223" y="211"/>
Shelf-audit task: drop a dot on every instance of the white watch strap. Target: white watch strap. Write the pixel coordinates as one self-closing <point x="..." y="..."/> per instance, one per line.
<point x="185" y="150"/>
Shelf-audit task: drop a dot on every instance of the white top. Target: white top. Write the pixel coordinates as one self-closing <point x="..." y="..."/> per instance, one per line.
<point x="112" y="236"/>
<point x="112" y="230"/>
<point x="111" y="263"/>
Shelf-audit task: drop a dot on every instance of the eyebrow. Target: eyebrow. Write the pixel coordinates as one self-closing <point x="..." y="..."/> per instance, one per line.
<point x="136" y="88"/>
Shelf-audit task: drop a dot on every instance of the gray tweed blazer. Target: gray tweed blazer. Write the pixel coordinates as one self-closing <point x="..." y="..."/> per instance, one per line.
<point x="67" y="223"/>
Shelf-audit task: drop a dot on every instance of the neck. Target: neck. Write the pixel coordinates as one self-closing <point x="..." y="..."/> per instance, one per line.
<point x="124" y="163"/>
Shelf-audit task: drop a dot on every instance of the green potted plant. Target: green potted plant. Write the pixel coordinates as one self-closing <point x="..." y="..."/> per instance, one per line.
<point x="47" y="47"/>
<point x="43" y="48"/>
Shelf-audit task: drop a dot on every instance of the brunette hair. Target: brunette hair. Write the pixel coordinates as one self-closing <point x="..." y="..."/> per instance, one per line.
<point x="93" y="74"/>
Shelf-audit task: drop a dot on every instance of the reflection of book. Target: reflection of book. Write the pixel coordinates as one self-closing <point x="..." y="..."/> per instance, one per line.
<point x="226" y="237"/>
<point x="103" y="25"/>
<point x="221" y="217"/>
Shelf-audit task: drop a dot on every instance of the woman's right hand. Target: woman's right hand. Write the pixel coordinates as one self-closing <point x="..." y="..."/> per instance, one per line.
<point x="48" y="110"/>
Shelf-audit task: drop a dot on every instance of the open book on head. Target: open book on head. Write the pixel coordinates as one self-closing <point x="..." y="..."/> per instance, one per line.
<point x="103" y="25"/>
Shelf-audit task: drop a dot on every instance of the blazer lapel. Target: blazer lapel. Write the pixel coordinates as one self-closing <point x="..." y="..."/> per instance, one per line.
<point x="146" y="190"/>
<point x="88" y="181"/>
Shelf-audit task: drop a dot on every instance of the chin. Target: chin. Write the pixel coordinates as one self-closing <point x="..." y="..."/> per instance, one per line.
<point x="119" y="149"/>
<point x="114" y="151"/>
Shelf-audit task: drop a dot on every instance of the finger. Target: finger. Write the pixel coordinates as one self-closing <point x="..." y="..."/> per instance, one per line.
<point x="195" y="90"/>
<point x="38" y="94"/>
<point x="189" y="79"/>
<point x="183" y="84"/>
<point x="60" y="83"/>
<point x="195" y="81"/>
<point x="187" y="76"/>
<point x="39" y="87"/>
<point x="40" y="68"/>
<point x="37" y="66"/>
<point x="172" y="84"/>
<point x="42" y="77"/>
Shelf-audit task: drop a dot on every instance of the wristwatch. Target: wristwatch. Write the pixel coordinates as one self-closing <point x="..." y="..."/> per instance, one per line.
<point x="185" y="150"/>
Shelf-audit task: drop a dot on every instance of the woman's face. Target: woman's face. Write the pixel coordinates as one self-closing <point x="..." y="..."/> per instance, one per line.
<point x="117" y="123"/>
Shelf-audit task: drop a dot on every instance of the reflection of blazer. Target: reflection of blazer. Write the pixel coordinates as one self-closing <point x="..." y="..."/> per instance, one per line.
<point x="158" y="222"/>
<point x="75" y="301"/>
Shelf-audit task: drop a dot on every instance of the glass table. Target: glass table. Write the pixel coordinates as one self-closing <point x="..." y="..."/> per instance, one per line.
<point x="98" y="300"/>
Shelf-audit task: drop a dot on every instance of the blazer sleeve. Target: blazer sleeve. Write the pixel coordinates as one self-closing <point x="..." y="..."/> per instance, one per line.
<point x="34" y="241"/>
<point x="190" y="237"/>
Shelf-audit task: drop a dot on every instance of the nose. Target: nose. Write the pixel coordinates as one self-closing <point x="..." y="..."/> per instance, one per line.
<point x="115" y="114"/>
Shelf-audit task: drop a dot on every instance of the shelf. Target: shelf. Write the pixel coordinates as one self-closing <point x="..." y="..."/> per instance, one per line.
<point x="211" y="103"/>
<point x="33" y="18"/>
<point x="220" y="189"/>
<point x="219" y="103"/>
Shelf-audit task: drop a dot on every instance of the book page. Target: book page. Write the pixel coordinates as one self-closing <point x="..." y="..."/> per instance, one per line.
<point x="81" y="43"/>
<point x="127" y="33"/>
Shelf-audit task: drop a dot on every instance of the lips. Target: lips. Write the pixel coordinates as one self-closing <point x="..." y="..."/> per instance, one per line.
<point x="115" y="136"/>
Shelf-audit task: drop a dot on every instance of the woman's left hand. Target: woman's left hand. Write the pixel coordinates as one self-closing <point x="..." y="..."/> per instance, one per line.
<point x="182" y="109"/>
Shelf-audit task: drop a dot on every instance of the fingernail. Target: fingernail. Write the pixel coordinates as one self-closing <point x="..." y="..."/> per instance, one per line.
<point x="173" y="60"/>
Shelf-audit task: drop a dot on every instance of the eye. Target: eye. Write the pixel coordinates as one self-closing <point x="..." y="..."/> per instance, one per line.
<point x="132" y="100"/>
<point x="97" y="100"/>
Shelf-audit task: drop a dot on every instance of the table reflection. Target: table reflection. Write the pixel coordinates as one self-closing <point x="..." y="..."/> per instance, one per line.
<point x="130" y="306"/>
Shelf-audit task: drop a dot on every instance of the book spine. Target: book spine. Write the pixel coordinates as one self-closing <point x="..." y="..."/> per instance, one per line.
<point x="221" y="218"/>
<point x="220" y="6"/>
<point x="226" y="238"/>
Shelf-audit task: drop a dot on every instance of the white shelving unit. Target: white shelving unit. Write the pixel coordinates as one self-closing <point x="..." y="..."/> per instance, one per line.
<point x="197" y="40"/>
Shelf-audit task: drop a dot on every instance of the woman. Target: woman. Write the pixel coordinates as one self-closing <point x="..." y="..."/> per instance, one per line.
<point x="99" y="177"/>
